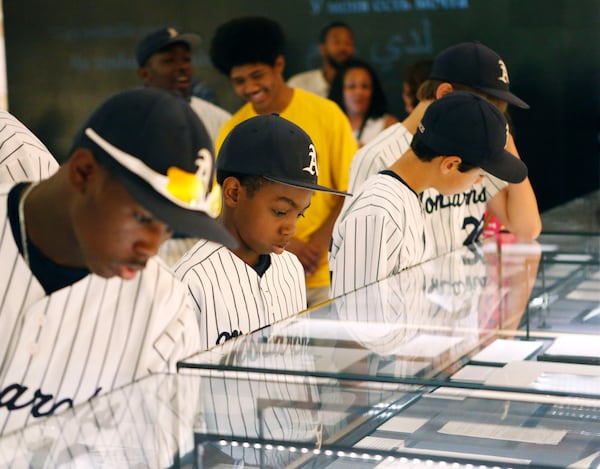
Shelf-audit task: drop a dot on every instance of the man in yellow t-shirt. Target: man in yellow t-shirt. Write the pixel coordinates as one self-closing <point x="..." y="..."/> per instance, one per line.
<point x="250" y="51"/>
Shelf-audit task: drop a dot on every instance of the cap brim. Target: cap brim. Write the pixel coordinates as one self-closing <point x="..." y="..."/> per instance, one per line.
<point x="192" y="223"/>
<point x="505" y="96"/>
<point x="507" y="167"/>
<point x="309" y="186"/>
<point x="187" y="38"/>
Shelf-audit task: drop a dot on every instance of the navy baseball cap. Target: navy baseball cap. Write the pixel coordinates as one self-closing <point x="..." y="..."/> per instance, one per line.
<point x="466" y="125"/>
<point x="477" y="66"/>
<point x="160" y="39"/>
<point x="274" y="148"/>
<point x="158" y="148"/>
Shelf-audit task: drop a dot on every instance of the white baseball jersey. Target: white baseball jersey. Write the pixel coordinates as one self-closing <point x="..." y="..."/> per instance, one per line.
<point x="424" y="313"/>
<point x="173" y="249"/>
<point x="381" y="232"/>
<point x="311" y="80"/>
<point x="22" y="156"/>
<point x="453" y="220"/>
<point x="229" y="296"/>
<point x="148" y="423"/>
<point x="85" y="339"/>
<point x="212" y="116"/>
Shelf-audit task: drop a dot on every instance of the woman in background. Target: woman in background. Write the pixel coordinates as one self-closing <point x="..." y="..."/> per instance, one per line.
<point x="357" y="90"/>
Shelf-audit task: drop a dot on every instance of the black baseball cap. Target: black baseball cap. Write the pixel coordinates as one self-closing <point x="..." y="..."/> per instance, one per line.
<point x="466" y="125"/>
<point x="158" y="148"/>
<point x="274" y="148"/>
<point x="160" y="39"/>
<point x="477" y="66"/>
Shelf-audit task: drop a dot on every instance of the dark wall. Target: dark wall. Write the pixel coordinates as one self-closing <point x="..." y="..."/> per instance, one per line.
<point x="64" y="58"/>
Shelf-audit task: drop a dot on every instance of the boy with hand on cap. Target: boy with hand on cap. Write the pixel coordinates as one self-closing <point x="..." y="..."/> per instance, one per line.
<point x="267" y="168"/>
<point x="382" y="230"/>
<point x="86" y="308"/>
<point x="164" y="60"/>
<point x="458" y="220"/>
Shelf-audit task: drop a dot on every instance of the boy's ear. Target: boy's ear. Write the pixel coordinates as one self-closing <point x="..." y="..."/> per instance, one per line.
<point x="83" y="167"/>
<point x="231" y="191"/>
<point x="449" y="164"/>
<point x="443" y="89"/>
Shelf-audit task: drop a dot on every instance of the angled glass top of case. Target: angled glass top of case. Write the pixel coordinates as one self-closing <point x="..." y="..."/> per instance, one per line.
<point x="565" y="299"/>
<point x="161" y="421"/>
<point x="416" y="326"/>
<point x="580" y="215"/>
<point x="135" y="426"/>
<point x="571" y="248"/>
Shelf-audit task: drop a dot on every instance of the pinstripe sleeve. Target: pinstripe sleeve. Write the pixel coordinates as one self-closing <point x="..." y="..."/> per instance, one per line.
<point x="364" y="249"/>
<point x="23" y="157"/>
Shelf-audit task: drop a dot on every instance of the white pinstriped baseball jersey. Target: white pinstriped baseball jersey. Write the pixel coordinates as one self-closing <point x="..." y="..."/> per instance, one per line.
<point x="85" y="339"/>
<point x="426" y="312"/>
<point x="173" y="249"/>
<point x="148" y="423"/>
<point x="22" y="156"/>
<point x="212" y="116"/>
<point x="453" y="220"/>
<point x="231" y="299"/>
<point x="380" y="233"/>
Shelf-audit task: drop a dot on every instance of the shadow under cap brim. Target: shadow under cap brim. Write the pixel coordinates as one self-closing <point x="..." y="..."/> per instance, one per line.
<point x="306" y="185"/>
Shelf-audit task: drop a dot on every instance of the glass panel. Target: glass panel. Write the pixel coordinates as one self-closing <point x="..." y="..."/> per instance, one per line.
<point x="580" y="215"/>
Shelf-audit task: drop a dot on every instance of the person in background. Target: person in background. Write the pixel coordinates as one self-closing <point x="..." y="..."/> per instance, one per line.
<point x="266" y="190"/>
<point x="415" y="74"/>
<point x="164" y="60"/>
<point x="336" y="46"/>
<point x="358" y="91"/>
<point x="86" y="307"/>
<point x="250" y="51"/>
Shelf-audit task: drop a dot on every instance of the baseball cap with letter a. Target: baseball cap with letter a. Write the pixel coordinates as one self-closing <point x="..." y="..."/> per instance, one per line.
<point x="160" y="39"/>
<point x="274" y="148"/>
<point x="477" y="66"/>
<point x="158" y="148"/>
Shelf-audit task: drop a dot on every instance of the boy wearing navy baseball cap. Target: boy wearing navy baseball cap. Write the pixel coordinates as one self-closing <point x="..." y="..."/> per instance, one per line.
<point x="457" y="221"/>
<point x="382" y="230"/>
<point x="267" y="167"/>
<point x="165" y="61"/>
<point x="87" y="306"/>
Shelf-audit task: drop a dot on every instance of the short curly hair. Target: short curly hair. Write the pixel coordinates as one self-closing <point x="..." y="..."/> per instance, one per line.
<point x="246" y="40"/>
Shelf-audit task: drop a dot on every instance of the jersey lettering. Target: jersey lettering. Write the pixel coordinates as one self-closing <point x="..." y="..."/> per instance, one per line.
<point x="225" y="336"/>
<point x="457" y="200"/>
<point x="11" y="394"/>
<point x="475" y="231"/>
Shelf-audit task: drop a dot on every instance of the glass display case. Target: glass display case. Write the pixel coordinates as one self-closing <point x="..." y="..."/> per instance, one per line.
<point x="580" y="215"/>
<point x="487" y="357"/>
<point x="270" y="421"/>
